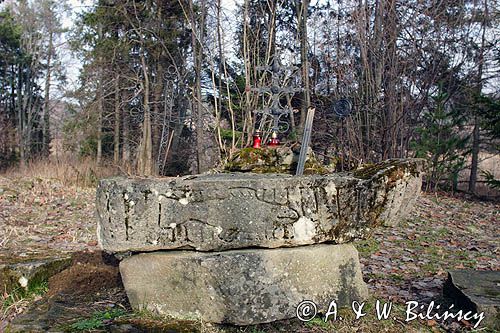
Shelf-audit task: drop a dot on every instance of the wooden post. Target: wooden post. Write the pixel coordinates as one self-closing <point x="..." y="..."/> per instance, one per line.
<point x="306" y="138"/>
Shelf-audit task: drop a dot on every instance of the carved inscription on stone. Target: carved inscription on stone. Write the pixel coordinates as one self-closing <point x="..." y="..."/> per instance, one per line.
<point x="223" y="211"/>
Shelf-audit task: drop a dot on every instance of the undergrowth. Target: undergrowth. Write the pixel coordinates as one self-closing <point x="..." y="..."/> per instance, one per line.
<point x="98" y="320"/>
<point x="81" y="172"/>
<point x="18" y="299"/>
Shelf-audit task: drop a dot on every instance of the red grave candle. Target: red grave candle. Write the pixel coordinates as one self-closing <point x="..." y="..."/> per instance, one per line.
<point x="256" y="139"/>
<point x="274" y="140"/>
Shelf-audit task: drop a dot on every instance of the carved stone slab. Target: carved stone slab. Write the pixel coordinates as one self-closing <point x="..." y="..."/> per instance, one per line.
<point x="243" y="286"/>
<point x="229" y="211"/>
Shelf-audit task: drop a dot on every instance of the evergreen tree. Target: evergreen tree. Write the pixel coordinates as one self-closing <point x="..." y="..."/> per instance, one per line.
<point x="440" y="142"/>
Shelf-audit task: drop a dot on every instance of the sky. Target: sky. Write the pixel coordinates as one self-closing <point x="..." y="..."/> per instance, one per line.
<point x="72" y="63"/>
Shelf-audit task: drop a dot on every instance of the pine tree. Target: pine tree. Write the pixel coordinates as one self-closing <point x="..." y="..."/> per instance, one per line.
<point x="440" y="143"/>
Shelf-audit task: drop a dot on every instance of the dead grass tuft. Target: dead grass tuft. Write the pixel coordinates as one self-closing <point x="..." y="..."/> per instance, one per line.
<point x="16" y="302"/>
<point x="70" y="171"/>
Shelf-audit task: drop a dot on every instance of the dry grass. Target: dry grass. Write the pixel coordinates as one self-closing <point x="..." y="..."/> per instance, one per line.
<point x="16" y="302"/>
<point x="46" y="208"/>
<point x="70" y="171"/>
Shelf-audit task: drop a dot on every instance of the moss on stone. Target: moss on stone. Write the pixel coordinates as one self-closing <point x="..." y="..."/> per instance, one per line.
<point x="313" y="167"/>
<point x="367" y="171"/>
<point x="393" y="169"/>
<point x="271" y="160"/>
<point x="36" y="272"/>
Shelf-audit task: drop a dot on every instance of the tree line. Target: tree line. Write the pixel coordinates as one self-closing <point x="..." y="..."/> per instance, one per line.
<point x="28" y="65"/>
<point x="171" y="87"/>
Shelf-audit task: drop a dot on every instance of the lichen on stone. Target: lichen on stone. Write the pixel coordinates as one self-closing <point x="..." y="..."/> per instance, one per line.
<point x="393" y="169"/>
<point x="281" y="159"/>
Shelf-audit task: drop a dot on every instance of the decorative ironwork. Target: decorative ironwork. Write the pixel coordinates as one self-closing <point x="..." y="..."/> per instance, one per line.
<point x="279" y="75"/>
<point x="342" y="108"/>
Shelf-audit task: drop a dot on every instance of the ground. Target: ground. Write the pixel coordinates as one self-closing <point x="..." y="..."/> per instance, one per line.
<point x="44" y="218"/>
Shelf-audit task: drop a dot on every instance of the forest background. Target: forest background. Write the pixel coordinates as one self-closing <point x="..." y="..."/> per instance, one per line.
<point x="171" y="87"/>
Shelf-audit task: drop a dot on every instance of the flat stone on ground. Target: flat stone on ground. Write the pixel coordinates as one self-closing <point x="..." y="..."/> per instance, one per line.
<point x="477" y="291"/>
<point x="24" y="274"/>
<point x="243" y="287"/>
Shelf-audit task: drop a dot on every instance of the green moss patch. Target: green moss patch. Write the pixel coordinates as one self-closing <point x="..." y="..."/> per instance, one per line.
<point x="271" y="160"/>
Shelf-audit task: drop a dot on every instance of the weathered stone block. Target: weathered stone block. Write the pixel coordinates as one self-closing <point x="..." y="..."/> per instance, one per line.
<point x="243" y="286"/>
<point x="228" y="211"/>
<point x="476" y="291"/>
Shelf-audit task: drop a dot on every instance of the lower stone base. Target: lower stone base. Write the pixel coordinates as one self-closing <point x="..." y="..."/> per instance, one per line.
<point x="243" y="287"/>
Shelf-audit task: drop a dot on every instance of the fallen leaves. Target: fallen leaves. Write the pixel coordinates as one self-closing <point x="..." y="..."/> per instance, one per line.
<point x="402" y="263"/>
<point x="44" y="217"/>
<point x="442" y="233"/>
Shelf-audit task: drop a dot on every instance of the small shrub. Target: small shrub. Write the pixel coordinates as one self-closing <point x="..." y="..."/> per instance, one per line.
<point x="490" y="180"/>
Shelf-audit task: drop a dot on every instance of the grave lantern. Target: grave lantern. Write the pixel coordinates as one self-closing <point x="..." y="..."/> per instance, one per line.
<point x="256" y="139"/>
<point x="274" y="141"/>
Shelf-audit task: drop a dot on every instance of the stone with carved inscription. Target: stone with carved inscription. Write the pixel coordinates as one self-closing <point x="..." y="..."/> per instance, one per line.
<point x="240" y="210"/>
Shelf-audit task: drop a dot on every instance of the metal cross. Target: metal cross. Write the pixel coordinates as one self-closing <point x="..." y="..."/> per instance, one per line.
<point x="276" y="90"/>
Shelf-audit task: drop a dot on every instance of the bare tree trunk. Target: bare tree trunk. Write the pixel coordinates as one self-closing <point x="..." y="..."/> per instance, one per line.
<point x="157" y="100"/>
<point x="27" y="111"/>
<point x="197" y="103"/>
<point x="145" y="150"/>
<point x="100" y="105"/>
<point x="246" y="58"/>
<point x="20" y="120"/>
<point x="475" y="133"/>
<point x="116" y="140"/>
<point x="364" y="142"/>
<point x="99" y="124"/>
<point x="125" y="141"/>
<point x="217" y="84"/>
<point x="306" y="102"/>
<point x="475" y="156"/>
<point x="390" y="74"/>
<point x="157" y="129"/>
<point x="223" y="69"/>
<point x="46" y="102"/>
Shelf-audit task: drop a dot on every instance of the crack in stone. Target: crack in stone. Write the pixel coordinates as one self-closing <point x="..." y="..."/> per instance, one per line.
<point x="127" y="209"/>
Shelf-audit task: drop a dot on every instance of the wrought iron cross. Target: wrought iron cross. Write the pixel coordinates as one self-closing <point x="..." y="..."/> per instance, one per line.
<point x="276" y="90"/>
